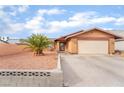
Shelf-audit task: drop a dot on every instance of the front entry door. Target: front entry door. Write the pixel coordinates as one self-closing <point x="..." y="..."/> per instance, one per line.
<point x="62" y="46"/>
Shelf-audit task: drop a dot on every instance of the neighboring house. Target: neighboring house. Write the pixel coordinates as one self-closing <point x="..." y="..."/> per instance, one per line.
<point x="93" y="41"/>
<point x="4" y="39"/>
<point x="1" y="41"/>
<point x="119" y="44"/>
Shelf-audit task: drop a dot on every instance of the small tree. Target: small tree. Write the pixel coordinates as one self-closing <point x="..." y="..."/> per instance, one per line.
<point x="37" y="42"/>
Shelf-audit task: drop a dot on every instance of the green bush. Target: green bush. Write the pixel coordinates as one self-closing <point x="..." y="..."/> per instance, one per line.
<point x="37" y="42"/>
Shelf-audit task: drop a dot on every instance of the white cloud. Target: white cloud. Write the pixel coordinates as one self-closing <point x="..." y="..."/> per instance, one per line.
<point x="34" y="23"/>
<point x="55" y="11"/>
<point x="8" y="25"/>
<point x="50" y="11"/>
<point x="23" y="8"/>
<point x="100" y="20"/>
<point x="2" y="14"/>
<point x="120" y="21"/>
<point x="64" y="24"/>
<point x="84" y="19"/>
<point x="42" y="11"/>
<point x="76" y="20"/>
<point x="82" y="15"/>
<point x="39" y="24"/>
<point x="89" y="18"/>
<point x="18" y="9"/>
<point x="15" y="27"/>
<point x="1" y="7"/>
<point x="13" y="13"/>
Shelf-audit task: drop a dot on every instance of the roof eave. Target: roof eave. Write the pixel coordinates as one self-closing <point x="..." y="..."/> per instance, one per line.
<point x="116" y="36"/>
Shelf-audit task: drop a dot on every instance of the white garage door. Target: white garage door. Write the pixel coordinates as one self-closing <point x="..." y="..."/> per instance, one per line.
<point x="92" y="47"/>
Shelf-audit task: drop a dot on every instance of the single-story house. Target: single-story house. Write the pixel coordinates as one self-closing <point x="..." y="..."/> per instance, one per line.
<point x="92" y="41"/>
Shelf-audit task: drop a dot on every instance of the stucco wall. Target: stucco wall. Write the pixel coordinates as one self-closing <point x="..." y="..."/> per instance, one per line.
<point x="111" y="46"/>
<point x="69" y="45"/>
<point x="92" y="35"/>
<point x="72" y="45"/>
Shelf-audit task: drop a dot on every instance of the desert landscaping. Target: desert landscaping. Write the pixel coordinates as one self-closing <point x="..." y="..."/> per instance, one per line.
<point x="13" y="56"/>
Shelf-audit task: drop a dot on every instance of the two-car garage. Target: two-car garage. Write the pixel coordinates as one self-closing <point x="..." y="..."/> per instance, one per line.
<point x="92" y="47"/>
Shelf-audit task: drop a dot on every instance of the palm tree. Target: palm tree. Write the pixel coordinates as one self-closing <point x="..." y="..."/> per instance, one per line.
<point x="37" y="42"/>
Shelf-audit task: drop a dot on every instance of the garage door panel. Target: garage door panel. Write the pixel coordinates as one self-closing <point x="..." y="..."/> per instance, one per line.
<point x="92" y="47"/>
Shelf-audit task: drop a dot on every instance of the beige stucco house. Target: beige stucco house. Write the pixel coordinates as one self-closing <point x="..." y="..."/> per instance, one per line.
<point x="92" y="41"/>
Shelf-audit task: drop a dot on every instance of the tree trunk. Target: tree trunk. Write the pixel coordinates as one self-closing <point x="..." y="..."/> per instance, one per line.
<point x="38" y="53"/>
<point x="41" y="52"/>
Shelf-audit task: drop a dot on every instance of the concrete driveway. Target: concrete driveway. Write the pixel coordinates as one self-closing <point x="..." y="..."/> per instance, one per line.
<point x="92" y="70"/>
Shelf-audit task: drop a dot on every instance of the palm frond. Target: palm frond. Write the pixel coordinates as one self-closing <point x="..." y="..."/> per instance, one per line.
<point x="37" y="42"/>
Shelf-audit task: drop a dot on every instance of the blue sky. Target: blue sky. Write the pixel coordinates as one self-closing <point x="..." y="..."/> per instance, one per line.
<point x="55" y="21"/>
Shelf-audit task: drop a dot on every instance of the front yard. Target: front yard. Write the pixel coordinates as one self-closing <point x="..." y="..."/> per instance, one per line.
<point x="14" y="56"/>
<point x="21" y="68"/>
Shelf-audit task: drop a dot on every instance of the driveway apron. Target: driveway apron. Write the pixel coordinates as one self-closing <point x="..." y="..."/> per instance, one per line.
<point x="92" y="70"/>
